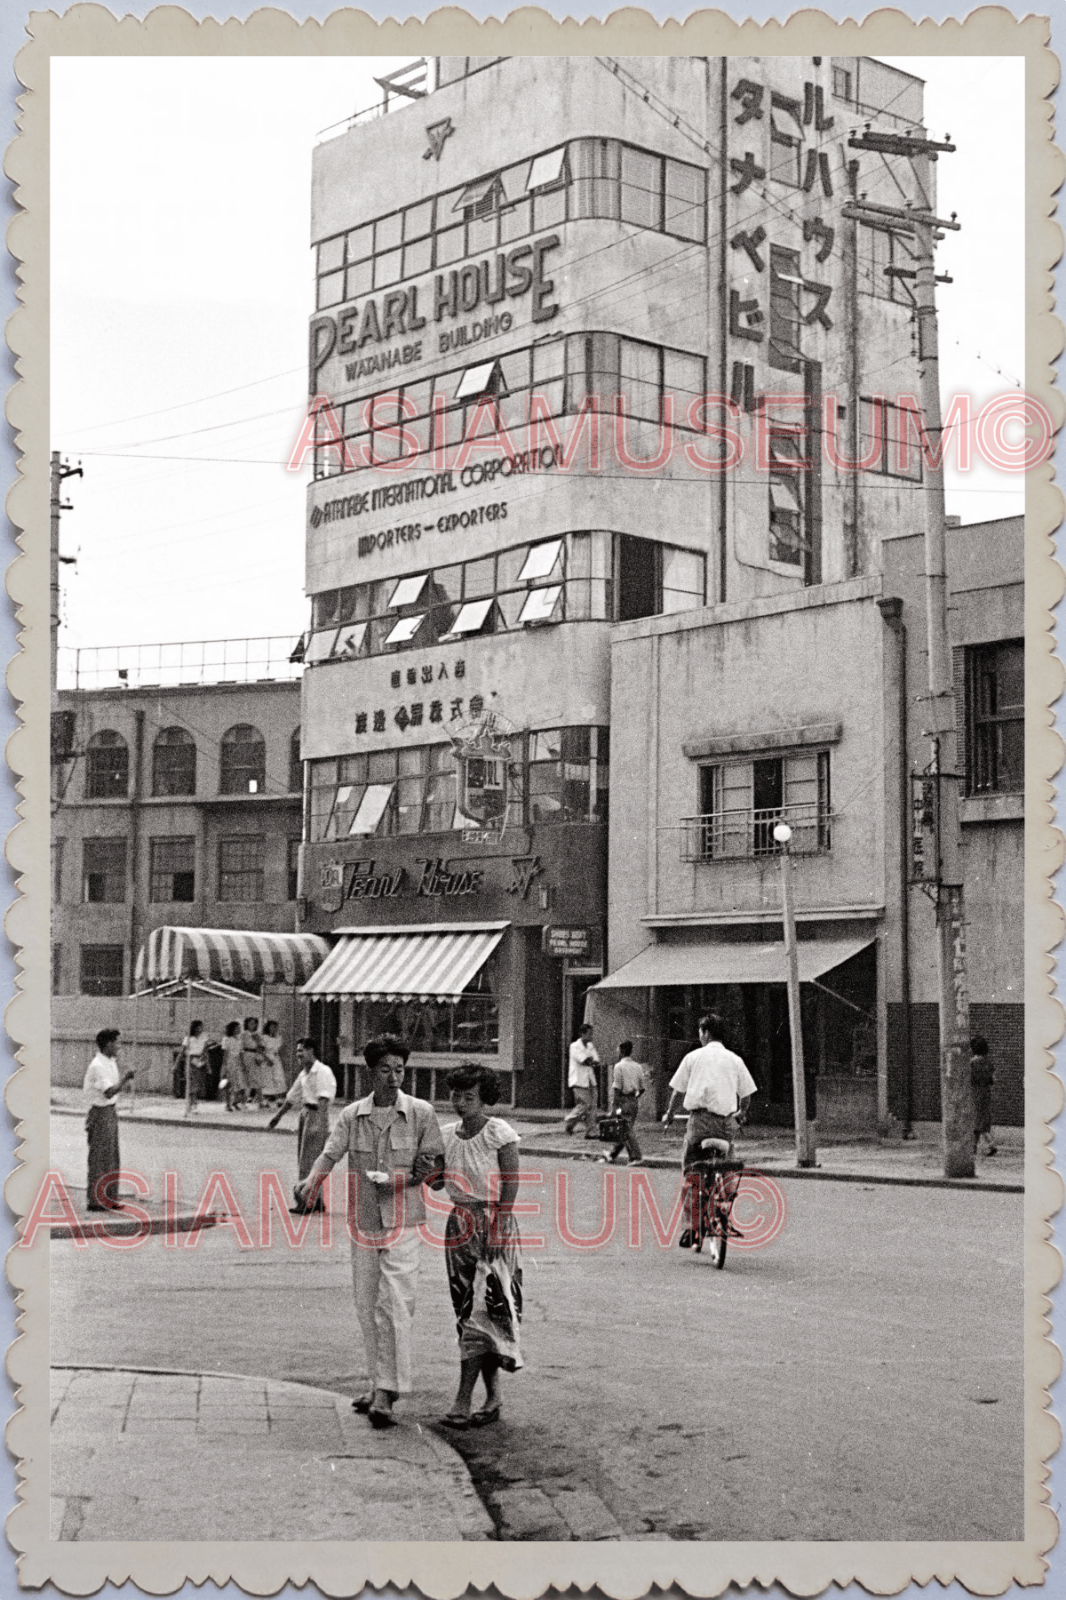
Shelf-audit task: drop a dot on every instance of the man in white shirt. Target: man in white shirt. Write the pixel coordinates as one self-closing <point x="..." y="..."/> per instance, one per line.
<point x="628" y="1082"/>
<point x="715" y="1086"/>
<point x="101" y="1084"/>
<point x="583" y="1081"/>
<point x="312" y="1091"/>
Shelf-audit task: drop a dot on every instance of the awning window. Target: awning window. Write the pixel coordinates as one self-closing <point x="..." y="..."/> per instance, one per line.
<point x="420" y="963"/>
<point x="376" y="797"/>
<point x="405" y="628"/>
<point x="540" y="603"/>
<point x="407" y="591"/>
<point x="349" y="641"/>
<point x="471" y="618"/>
<point x="548" y="168"/>
<point x="540" y="561"/>
<point x="729" y="961"/>
<point x="321" y="646"/>
<point x="481" y="196"/>
<point x="486" y="378"/>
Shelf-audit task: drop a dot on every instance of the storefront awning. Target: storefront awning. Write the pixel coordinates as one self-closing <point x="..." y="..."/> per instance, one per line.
<point x="229" y="956"/>
<point x="420" y="963"/>
<point x="729" y="961"/>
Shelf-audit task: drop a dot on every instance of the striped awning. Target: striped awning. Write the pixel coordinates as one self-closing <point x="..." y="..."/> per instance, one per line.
<point x="419" y="963"/>
<point x="230" y="956"/>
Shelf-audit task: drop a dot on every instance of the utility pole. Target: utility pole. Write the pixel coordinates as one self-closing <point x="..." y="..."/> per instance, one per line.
<point x="58" y="473"/>
<point x="956" y="1105"/>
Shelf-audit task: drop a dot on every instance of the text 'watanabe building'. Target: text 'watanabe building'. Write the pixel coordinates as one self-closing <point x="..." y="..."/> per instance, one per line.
<point x="519" y="322"/>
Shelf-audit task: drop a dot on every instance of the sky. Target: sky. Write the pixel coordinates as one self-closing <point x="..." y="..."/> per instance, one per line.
<point x="182" y="286"/>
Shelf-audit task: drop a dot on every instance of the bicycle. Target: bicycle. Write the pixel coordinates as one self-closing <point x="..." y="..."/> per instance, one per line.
<point x="716" y="1179"/>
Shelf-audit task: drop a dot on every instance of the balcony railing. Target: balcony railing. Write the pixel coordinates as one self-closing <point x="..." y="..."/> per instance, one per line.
<point x="746" y="834"/>
<point x="190" y="662"/>
<point x="410" y="82"/>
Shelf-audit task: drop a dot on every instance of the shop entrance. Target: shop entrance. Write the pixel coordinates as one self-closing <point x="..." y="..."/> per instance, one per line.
<point x="578" y="981"/>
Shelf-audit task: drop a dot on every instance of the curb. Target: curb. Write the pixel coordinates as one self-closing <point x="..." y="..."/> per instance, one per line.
<point x="129" y="1227"/>
<point x="819" y="1175"/>
<point x="210" y="1121"/>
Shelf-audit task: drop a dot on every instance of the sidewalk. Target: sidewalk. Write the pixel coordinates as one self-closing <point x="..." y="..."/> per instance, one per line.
<point x="196" y="1456"/>
<point x="914" y="1162"/>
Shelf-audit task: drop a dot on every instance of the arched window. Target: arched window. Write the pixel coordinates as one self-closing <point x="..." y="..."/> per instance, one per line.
<point x="107" y="766"/>
<point x="174" y="763"/>
<point x="243" y="764"/>
<point x="296" y="766"/>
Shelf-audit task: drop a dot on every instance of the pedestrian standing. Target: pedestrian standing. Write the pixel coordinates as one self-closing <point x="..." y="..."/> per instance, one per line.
<point x="583" y="1081"/>
<point x="102" y="1082"/>
<point x="982" y="1076"/>
<point x="275" y="1086"/>
<point x="312" y="1092"/>
<point x="252" y="1060"/>
<point x="233" y="1079"/>
<point x="629" y="1081"/>
<point x="193" y="1054"/>
<point x="393" y="1143"/>
<point x="715" y="1086"/>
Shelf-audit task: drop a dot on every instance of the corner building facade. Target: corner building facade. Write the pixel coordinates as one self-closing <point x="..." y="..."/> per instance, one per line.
<point x="518" y="329"/>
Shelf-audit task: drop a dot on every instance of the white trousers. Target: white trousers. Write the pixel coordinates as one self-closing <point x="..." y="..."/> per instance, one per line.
<point x="384" y="1281"/>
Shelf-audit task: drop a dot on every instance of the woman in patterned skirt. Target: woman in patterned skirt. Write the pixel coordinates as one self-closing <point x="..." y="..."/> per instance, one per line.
<point x="481" y="1243"/>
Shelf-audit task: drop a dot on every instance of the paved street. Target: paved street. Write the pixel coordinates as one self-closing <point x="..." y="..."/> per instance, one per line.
<point x="859" y="1378"/>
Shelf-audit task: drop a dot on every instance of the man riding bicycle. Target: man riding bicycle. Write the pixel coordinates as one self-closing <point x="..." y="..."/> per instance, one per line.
<point x="715" y="1086"/>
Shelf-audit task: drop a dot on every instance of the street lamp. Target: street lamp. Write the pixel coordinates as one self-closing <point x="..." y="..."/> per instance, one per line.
<point x="804" y="1131"/>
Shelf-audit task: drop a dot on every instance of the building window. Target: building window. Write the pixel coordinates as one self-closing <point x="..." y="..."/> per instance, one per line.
<point x="841" y="83"/>
<point x="993" y="743"/>
<point x="172" y="871"/>
<point x="577" y="577"/>
<point x="786" y="139"/>
<point x="561" y="370"/>
<point x="469" y="1027"/>
<point x="741" y="802"/>
<point x="886" y="263"/>
<point x="58" y="847"/>
<point x="900" y="454"/>
<point x="587" y="177"/>
<point x="101" y="969"/>
<point x="174" y="763"/>
<point x="240" y="868"/>
<point x="104" y="871"/>
<point x="788" y="482"/>
<point x="293" y="865"/>
<point x="57" y="969"/>
<point x="296" y="766"/>
<point x="243" y="764"/>
<point x="107" y="766"/>
<point x="785" y="285"/>
<point x="568" y="774"/>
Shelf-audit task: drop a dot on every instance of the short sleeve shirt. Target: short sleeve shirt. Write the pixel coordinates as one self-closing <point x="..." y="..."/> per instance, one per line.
<point x="629" y="1077"/>
<point x="314" y="1083"/>
<point x="583" y="1060"/>
<point x="712" y="1078"/>
<point x="102" y="1073"/>
<point x="470" y="1164"/>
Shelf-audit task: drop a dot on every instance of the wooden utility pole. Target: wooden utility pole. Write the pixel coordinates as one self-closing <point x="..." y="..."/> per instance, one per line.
<point x="956" y="1106"/>
<point x="805" y="1153"/>
<point x="58" y="472"/>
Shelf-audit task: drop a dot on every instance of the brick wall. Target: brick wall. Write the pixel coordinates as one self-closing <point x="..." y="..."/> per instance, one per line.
<point x="1004" y="1028"/>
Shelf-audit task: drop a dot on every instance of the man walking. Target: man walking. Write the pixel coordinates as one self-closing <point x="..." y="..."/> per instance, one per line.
<point x="582" y="1079"/>
<point x="102" y="1083"/>
<point x="628" y="1083"/>
<point x="394" y="1145"/>
<point x="312" y="1091"/>
<point x="715" y="1086"/>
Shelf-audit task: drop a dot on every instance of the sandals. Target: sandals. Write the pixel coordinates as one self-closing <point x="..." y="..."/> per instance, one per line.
<point x="455" y="1420"/>
<point x="380" y="1419"/>
<point x="363" y="1404"/>
<point x="482" y="1419"/>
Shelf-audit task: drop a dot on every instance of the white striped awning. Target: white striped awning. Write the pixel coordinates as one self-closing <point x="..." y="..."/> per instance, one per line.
<point x="230" y="956"/>
<point x="435" y="962"/>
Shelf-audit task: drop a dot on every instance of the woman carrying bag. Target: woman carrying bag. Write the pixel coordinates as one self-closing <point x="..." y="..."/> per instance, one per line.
<point x="481" y="1243"/>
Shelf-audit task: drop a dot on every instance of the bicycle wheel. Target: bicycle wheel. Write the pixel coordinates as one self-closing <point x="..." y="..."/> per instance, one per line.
<point x="717" y="1236"/>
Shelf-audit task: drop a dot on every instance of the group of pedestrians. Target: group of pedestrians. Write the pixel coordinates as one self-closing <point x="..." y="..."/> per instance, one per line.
<point x="395" y="1147"/>
<point x="251" y="1070"/>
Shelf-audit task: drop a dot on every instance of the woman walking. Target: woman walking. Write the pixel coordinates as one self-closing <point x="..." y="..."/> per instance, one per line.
<point x="481" y="1243"/>
<point x="193" y="1053"/>
<point x="982" y="1077"/>
<point x="232" y="1067"/>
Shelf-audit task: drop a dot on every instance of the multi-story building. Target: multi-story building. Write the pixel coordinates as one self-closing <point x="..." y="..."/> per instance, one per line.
<point x="609" y="359"/>
<point x="837" y="751"/>
<point x="174" y="802"/>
